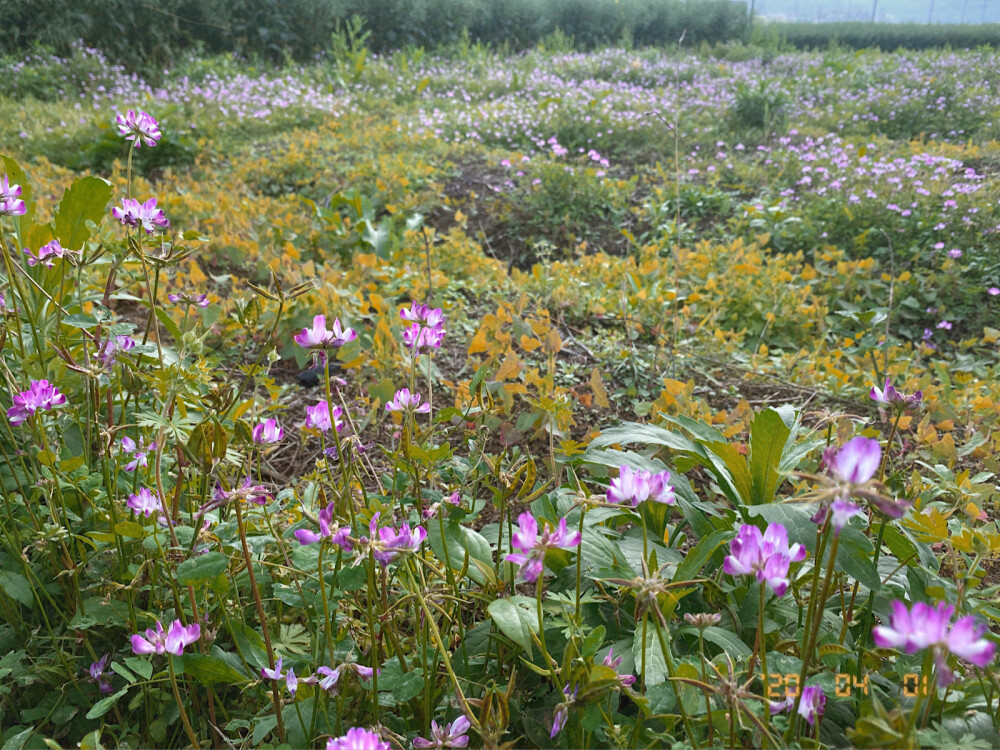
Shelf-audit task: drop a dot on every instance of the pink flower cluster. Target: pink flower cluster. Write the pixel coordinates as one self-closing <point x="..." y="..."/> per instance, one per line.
<point x="426" y="329"/>
<point x="10" y="199"/>
<point x="145" y="215"/>
<point x="139" y="127"/>
<point x="925" y="626"/>
<point x="46" y="254"/>
<point x="637" y="486"/>
<point x="531" y="558"/>
<point x="172" y="641"/>
<point x="40" y="396"/>
<point x="766" y="557"/>
<point x="318" y="337"/>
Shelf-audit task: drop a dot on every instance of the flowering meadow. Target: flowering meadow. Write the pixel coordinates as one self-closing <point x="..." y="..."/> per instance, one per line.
<point x="635" y="398"/>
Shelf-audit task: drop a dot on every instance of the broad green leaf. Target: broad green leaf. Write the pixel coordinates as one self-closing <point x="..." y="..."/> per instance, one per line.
<point x="209" y="669"/>
<point x="693" y="561"/>
<point x="768" y="436"/>
<point x="16" y="586"/>
<point x="724" y="639"/>
<point x="646" y="434"/>
<point x="141" y="667"/>
<point x="656" y="665"/>
<point x="737" y="466"/>
<point x="86" y="200"/>
<point x="105" y="704"/>
<point x="201" y="568"/>
<point x="517" y="619"/>
<point x="459" y="541"/>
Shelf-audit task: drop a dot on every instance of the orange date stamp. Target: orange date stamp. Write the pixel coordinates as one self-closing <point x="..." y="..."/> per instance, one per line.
<point x="845" y="685"/>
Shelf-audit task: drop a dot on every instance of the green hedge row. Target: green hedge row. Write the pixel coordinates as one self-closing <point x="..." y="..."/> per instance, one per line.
<point x="143" y="33"/>
<point x="885" y="36"/>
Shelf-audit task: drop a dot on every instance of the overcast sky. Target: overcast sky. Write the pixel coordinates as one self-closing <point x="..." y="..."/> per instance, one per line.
<point x="917" y="11"/>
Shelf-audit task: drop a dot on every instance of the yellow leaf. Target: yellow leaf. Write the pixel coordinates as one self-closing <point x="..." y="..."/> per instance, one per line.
<point x="510" y="368"/>
<point x="553" y="342"/>
<point x="478" y="341"/>
<point x="195" y="274"/>
<point x="529" y="344"/>
<point x="597" y="386"/>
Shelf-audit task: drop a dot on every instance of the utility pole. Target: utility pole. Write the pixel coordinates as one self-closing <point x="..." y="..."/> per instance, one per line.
<point x="930" y="13"/>
<point x="874" y="8"/>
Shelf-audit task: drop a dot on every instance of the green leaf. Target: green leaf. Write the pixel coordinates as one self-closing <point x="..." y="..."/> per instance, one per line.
<point x="768" y="436"/>
<point x="141" y="667"/>
<point x="460" y="541"/>
<point x="86" y="200"/>
<point x="105" y="704"/>
<point x="401" y="686"/>
<point x="16" y="586"/>
<point x="517" y="619"/>
<point x="209" y="669"/>
<point x="855" y="558"/>
<point x="646" y="434"/>
<point x="737" y="466"/>
<point x="724" y="639"/>
<point x="201" y="568"/>
<point x="80" y="320"/>
<point x="18" y="741"/>
<point x="700" y="554"/>
<point x="656" y="665"/>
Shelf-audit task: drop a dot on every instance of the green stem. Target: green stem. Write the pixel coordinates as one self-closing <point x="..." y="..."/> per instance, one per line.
<point x="761" y="638"/>
<point x="180" y="705"/>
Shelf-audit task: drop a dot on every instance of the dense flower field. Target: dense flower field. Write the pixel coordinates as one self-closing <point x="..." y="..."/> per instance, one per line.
<point x="624" y="399"/>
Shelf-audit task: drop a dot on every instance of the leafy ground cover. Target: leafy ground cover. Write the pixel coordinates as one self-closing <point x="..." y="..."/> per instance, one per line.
<point x="551" y="400"/>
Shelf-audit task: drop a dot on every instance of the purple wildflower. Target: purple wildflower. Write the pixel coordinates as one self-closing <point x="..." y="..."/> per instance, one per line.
<point x="40" y="396"/>
<point x="427" y="327"/>
<point x="139" y="127"/>
<point x="392" y="542"/>
<point x="562" y="711"/>
<point x="318" y="417"/>
<point x="10" y="199"/>
<point x="531" y="558"/>
<point x="268" y="432"/>
<point x="318" y="337"/>
<point x="186" y="298"/>
<point x="767" y="556"/>
<point x="97" y="674"/>
<point x="108" y="352"/>
<point x="46" y="254"/>
<point x="144" y="502"/>
<point x="406" y="401"/>
<point x="812" y="704"/>
<point x="138" y="451"/>
<point x="252" y="493"/>
<point x="145" y="215"/>
<point x="172" y="642"/>
<point x="889" y="396"/>
<point x="453" y="735"/>
<point x="358" y="739"/>
<point x="924" y="626"/>
<point x="635" y="487"/>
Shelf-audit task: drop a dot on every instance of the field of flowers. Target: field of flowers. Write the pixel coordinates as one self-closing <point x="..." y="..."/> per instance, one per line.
<point x="635" y="398"/>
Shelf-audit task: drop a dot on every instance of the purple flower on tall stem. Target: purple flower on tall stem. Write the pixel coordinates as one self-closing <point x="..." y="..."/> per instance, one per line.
<point x="46" y="254"/>
<point x="403" y="401"/>
<point x="453" y="735"/>
<point x="562" y="710"/>
<point x="637" y="486"/>
<point x="145" y="215"/>
<point x="172" y="641"/>
<point x="391" y="542"/>
<point x="766" y="557"/>
<point x="108" y="352"/>
<point x="889" y="396"/>
<point x="138" y="451"/>
<point x="144" y="502"/>
<point x="533" y="547"/>
<point x="139" y="127"/>
<point x="97" y="674"/>
<point x="925" y="626"/>
<point x="187" y="298"/>
<point x="248" y="491"/>
<point x="427" y="327"/>
<point x="338" y="536"/>
<point x="10" y="199"/>
<point x="291" y="681"/>
<point x="318" y="337"/>
<point x="852" y="467"/>
<point x="318" y="417"/>
<point x="358" y="739"/>
<point x="627" y="680"/>
<point x="812" y="704"/>
<point x="39" y="397"/>
<point x="268" y="432"/>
